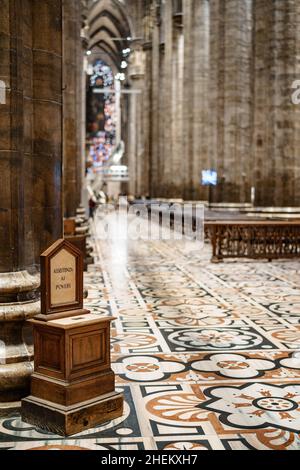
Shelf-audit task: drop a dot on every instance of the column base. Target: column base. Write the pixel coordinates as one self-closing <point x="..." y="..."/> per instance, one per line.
<point x="69" y="420"/>
<point x="8" y="410"/>
<point x="15" y="379"/>
<point x="18" y="303"/>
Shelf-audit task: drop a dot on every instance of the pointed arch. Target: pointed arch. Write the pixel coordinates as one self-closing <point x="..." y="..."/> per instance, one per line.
<point x="109" y="28"/>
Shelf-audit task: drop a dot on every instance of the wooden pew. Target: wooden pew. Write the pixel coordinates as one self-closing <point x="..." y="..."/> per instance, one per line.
<point x="234" y="235"/>
<point x="69" y="227"/>
<point x="256" y="239"/>
<point x="80" y="240"/>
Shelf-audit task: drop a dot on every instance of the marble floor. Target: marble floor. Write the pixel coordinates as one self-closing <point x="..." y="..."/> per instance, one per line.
<point x="207" y="355"/>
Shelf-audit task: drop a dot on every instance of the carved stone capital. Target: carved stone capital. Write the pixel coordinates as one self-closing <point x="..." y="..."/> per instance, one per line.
<point x="137" y="63"/>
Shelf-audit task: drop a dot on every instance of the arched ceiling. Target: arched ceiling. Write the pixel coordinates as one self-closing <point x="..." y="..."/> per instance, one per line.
<point x="107" y="21"/>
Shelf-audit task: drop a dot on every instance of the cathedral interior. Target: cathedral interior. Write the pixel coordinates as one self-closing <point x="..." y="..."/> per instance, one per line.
<point x="161" y="139"/>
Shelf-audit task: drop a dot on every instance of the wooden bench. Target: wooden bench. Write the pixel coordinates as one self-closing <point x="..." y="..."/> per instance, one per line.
<point x="69" y="227"/>
<point x="232" y="235"/>
<point x="79" y="240"/>
<point x="256" y="239"/>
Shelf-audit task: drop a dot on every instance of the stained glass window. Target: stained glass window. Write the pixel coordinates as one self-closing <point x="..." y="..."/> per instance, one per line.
<point x="101" y="115"/>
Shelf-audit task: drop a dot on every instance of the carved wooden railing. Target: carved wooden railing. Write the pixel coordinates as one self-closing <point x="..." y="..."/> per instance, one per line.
<point x="255" y="239"/>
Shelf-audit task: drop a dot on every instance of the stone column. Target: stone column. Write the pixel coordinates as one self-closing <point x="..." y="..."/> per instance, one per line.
<point x="196" y="92"/>
<point x="237" y="101"/>
<point x="230" y="83"/>
<point x="72" y="99"/>
<point x="161" y="119"/>
<point x="16" y="284"/>
<point x="201" y="91"/>
<point x="176" y="160"/>
<point x="263" y="22"/>
<point x="167" y="122"/>
<point x="188" y="104"/>
<point x="155" y="104"/>
<point x="145" y="110"/>
<point x="80" y="103"/>
<point x="137" y="66"/>
<point x="132" y="160"/>
<point x="84" y="191"/>
<point x="139" y="137"/>
<point x="83" y="64"/>
<point x="47" y="137"/>
<point x="30" y="166"/>
<point x="216" y="88"/>
<point x="276" y="137"/>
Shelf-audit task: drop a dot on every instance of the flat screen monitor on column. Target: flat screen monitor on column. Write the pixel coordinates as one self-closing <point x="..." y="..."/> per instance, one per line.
<point x="209" y="178"/>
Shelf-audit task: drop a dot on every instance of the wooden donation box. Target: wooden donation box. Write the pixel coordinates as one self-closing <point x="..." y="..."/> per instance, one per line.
<point x="73" y="386"/>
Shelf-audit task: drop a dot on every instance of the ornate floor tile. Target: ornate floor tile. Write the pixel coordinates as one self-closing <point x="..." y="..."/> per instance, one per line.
<point x="207" y="368"/>
<point x="256" y="406"/>
<point x="133" y="342"/>
<point x="172" y="293"/>
<point x="235" y="366"/>
<point x="289" y="338"/>
<point x="149" y="368"/>
<point x="215" y="339"/>
<point x="288" y="311"/>
<point x="270" y="439"/>
<point x="208" y="314"/>
<point x="13" y="429"/>
<point x="79" y="445"/>
<point x="207" y="355"/>
<point x="190" y="445"/>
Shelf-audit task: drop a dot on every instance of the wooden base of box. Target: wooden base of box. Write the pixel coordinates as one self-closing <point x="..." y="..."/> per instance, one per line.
<point x="64" y="394"/>
<point x="73" y="385"/>
<point x="67" y="421"/>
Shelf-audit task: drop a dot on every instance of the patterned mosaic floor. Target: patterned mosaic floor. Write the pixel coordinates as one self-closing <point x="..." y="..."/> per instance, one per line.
<point x="208" y="356"/>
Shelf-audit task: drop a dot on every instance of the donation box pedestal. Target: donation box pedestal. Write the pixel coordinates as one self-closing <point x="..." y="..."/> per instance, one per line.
<point x="73" y="386"/>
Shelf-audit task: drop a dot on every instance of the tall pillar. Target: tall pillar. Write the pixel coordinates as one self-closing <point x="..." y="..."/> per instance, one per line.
<point x="188" y="99"/>
<point x="83" y="64"/>
<point x="132" y="137"/>
<point x="196" y="91"/>
<point x="16" y="284"/>
<point x="47" y="137"/>
<point x="175" y="160"/>
<point x="84" y="191"/>
<point x="276" y="137"/>
<point x="145" y="155"/>
<point x="230" y="97"/>
<point x="201" y="90"/>
<point x="81" y="105"/>
<point x="155" y="105"/>
<point x="72" y="148"/>
<point x="158" y="119"/>
<point x="30" y="166"/>
<point x="141" y="72"/>
<point x="136" y="163"/>
<point x="237" y="100"/>
<point x="162" y="149"/>
<point x="167" y="175"/>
